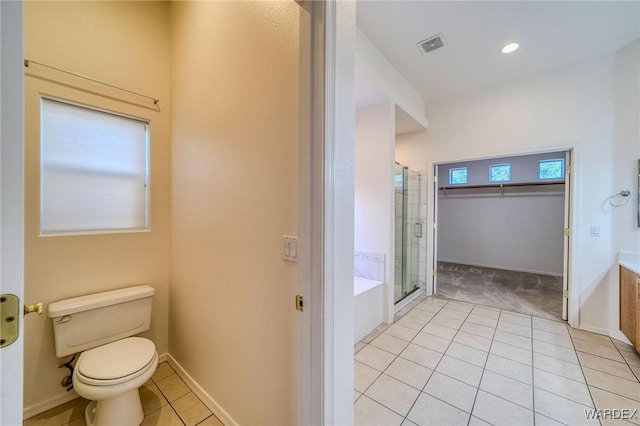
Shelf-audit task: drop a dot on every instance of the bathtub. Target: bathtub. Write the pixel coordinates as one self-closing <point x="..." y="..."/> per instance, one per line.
<point x="368" y="310"/>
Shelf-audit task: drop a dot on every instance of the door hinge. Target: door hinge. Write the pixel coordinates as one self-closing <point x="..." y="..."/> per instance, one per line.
<point x="567" y="232"/>
<point x="435" y="225"/>
<point x="9" y="315"/>
<point x="299" y="303"/>
<point x="565" y="294"/>
<point x="568" y="169"/>
<point x="434" y="273"/>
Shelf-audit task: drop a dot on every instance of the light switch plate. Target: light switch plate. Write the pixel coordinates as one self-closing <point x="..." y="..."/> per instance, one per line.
<point x="290" y="248"/>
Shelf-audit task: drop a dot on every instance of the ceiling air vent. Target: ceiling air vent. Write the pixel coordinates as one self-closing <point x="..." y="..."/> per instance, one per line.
<point x="430" y="44"/>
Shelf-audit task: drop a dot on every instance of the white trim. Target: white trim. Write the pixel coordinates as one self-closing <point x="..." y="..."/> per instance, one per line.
<point x="404" y="302"/>
<point x="506" y="268"/>
<point x="207" y="400"/>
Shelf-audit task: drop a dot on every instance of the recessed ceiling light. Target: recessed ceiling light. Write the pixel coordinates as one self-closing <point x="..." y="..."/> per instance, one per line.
<point x="511" y="47"/>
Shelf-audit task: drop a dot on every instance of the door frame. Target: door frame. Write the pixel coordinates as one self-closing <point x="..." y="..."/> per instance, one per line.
<point x="11" y="201"/>
<point x="572" y="302"/>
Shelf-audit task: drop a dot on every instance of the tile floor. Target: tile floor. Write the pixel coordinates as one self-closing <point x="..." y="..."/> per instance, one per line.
<point x="447" y="363"/>
<point x="166" y="401"/>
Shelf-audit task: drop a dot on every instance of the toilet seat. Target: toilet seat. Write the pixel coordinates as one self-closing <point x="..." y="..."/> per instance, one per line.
<point x="116" y="362"/>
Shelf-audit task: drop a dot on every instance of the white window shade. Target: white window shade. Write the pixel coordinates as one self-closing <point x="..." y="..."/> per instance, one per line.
<point x="94" y="170"/>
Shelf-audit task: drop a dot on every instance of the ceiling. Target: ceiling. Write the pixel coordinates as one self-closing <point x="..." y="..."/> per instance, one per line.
<point x="551" y="35"/>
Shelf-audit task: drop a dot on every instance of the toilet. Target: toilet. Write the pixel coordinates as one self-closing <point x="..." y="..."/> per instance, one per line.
<point x="113" y="362"/>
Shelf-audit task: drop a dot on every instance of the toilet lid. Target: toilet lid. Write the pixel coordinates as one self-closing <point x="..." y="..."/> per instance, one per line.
<point x="117" y="359"/>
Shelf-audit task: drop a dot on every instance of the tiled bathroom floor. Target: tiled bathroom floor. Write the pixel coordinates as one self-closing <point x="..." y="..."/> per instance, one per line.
<point x="166" y="401"/>
<point x="448" y="363"/>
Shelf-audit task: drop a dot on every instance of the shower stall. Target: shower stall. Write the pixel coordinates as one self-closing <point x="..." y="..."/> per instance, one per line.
<point x="410" y="228"/>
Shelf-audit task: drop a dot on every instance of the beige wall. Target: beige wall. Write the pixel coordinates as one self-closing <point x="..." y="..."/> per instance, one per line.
<point x="123" y="43"/>
<point x="234" y="184"/>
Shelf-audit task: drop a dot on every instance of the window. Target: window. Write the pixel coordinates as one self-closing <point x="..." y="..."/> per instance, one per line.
<point x="500" y="173"/>
<point x="551" y="169"/>
<point x="94" y="170"/>
<point x="457" y="176"/>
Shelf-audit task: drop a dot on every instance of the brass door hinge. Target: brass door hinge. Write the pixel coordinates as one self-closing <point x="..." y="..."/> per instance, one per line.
<point x="299" y="303"/>
<point x="567" y="232"/>
<point x="565" y="294"/>
<point x="568" y="170"/>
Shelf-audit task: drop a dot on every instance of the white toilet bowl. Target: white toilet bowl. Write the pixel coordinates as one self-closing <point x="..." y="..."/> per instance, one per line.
<point x="110" y="375"/>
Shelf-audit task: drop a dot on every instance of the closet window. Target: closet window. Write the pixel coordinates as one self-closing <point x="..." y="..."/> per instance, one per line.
<point x="457" y="175"/>
<point x="551" y="169"/>
<point x="94" y="170"/>
<point x="500" y="173"/>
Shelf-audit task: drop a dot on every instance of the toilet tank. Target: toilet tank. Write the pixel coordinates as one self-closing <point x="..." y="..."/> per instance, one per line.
<point x="84" y="322"/>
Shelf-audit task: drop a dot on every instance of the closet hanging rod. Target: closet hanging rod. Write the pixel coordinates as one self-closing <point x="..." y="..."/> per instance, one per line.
<point x="27" y="62"/>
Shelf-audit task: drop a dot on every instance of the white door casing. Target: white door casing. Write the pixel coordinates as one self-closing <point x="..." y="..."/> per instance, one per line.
<point x="11" y="201"/>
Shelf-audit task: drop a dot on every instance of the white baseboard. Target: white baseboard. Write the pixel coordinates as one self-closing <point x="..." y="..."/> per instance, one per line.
<point x="211" y="404"/>
<point x="41" y="407"/>
<point x="506" y="268"/>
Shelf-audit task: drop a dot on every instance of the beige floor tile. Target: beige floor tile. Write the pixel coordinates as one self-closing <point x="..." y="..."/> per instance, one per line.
<point x="557" y="366"/>
<point x="163" y="417"/>
<point x="474" y="421"/>
<point x="163" y="370"/>
<point x="60" y="415"/>
<point x="172" y="387"/>
<point x="460" y="306"/>
<point x="556" y="327"/>
<point x="369" y="337"/>
<point x="393" y="394"/>
<point x="190" y="409"/>
<point x="473" y="340"/>
<point x="487" y="321"/>
<point x="555" y="351"/>
<point x="560" y="409"/>
<point x="607" y="400"/>
<point x="431" y="411"/>
<point x="567" y="388"/>
<point x="416" y="324"/>
<point x="498" y="411"/>
<point x="520" y="330"/>
<point x="446" y="321"/>
<point x="553" y="338"/>
<point x="417" y="314"/>
<point x="431" y="341"/>
<point x="409" y="372"/>
<point x="382" y="327"/>
<point x="468" y="354"/>
<point x="440" y="331"/>
<point x="356" y="395"/>
<point x="389" y="343"/>
<point x="402" y="332"/>
<point x="211" y="421"/>
<point x="514" y="318"/>
<point x="510" y="368"/>
<point x="432" y="309"/>
<point x="151" y="398"/>
<point x="620" y="369"/>
<point x="545" y="421"/>
<point x="478" y="329"/>
<point x="595" y="349"/>
<point x="618" y="385"/>
<point x="632" y="358"/>
<point x="590" y="337"/>
<point x="461" y="370"/>
<point x="364" y="376"/>
<point x="513" y="339"/>
<point x="618" y="344"/>
<point x="453" y="313"/>
<point x="369" y="413"/>
<point x="359" y="345"/>
<point x="374" y="357"/>
<point x="408" y="423"/>
<point x="423" y="356"/>
<point x="511" y="352"/>
<point x="451" y="391"/>
<point x="507" y="388"/>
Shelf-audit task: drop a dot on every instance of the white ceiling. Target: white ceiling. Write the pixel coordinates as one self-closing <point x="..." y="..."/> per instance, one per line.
<point x="551" y="35"/>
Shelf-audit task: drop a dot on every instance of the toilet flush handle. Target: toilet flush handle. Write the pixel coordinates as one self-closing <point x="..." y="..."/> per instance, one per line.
<point x="37" y="308"/>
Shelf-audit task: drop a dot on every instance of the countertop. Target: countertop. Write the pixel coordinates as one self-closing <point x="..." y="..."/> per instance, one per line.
<point x="630" y="261"/>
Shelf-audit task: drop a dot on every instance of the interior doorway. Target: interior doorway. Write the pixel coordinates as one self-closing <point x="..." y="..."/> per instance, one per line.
<point x="501" y="232"/>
